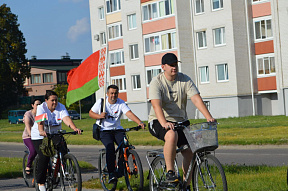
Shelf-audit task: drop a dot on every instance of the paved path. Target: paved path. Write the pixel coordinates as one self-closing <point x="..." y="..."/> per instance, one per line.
<point x="271" y="155"/>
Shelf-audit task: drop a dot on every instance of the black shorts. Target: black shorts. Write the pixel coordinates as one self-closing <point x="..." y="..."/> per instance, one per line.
<point x="156" y="129"/>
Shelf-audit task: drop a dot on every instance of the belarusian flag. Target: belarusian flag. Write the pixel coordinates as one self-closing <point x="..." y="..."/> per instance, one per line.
<point x="87" y="78"/>
<point x="42" y="117"/>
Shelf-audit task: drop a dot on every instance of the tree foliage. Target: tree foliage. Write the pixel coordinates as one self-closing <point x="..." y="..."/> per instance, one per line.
<point x="14" y="68"/>
<point x="61" y="90"/>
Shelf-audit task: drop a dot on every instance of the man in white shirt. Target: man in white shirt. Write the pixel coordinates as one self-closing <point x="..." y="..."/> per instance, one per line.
<point x="114" y="108"/>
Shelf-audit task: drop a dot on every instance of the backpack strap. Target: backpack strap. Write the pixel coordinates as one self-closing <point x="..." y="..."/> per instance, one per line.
<point x="101" y="110"/>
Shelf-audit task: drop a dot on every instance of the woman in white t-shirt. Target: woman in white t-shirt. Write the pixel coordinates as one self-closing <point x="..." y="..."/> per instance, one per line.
<point x="56" y="113"/>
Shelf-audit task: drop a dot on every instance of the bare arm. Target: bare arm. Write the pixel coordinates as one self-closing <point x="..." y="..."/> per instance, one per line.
<point x="68" y="121"/>
<point x="27" y="125"/>
<point x="94" y="115"/>
<point x="41" y="128"/>
<point x="157" y="106"/>
<point x="198" y="102"/>
<point x="134" y="118"/>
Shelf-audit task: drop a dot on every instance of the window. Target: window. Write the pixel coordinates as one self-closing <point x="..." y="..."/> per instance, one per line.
<point x="102" y="38"/>
<point x="101" y="13"/>
<point x="132" y="21"/>
<point x="133" y="51"/>
<point x="136" y="82"/>
<point x="201" y="37"/>
<point x="119" y="81"/>
<point x="266" y="65"/>
<point x="255" y="1"/>
<point x="48" y="77"/>
<point x="116" y="57"/>
<point x="222" y="72"/>
<point x="35" y="79"/>
<point x="204" y="74"/>
<point x="115" y="31"/>
<point x="207" y="104"/>
<point x="158" y="42"/>
<point x="263" y="29"/>
<point x="217" y="4"/>
<point x="152" y="72"/>
<point x="219" y="36"/>
<point x="158" y="10"/>
<point x="113" y="5"/>
<point x="199" y="6"/>
<point x="62" y="77"/>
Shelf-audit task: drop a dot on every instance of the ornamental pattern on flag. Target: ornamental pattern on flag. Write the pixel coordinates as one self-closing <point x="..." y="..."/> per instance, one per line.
<point x="101" y="67"/>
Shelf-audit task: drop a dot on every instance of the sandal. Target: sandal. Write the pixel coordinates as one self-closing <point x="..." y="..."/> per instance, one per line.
<point x="28" y="171"/>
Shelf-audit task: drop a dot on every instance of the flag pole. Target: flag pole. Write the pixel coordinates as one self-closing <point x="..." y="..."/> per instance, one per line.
<point x="106" y="79"/>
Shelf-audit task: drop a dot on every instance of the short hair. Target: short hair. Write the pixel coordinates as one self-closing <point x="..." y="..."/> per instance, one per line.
<point x="33" y="101"/>
<point x="49" y="93"/>
<point x="113" y="87"/>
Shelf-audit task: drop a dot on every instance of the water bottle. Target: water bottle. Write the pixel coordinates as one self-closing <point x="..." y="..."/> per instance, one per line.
<point x="54" y="161"/>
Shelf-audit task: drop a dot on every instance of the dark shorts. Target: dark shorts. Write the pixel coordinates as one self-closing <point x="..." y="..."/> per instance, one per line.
<point x="156" y="129"/>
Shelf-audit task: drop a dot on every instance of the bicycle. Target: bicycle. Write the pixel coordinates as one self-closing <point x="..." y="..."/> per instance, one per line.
<point x="63" y="167"/>
<point x="129" y="165"/>
<point x="207" y="171"/>
<point x="28" y="178"/>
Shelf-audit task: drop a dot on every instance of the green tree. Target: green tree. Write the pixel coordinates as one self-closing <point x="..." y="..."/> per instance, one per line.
<point x="61" y="90"/>
<point x="13" y="63"/>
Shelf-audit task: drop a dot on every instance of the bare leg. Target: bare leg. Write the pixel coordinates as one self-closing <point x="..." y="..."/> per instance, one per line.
<point x="171" y="138"/>
<point x="187" y="157"/>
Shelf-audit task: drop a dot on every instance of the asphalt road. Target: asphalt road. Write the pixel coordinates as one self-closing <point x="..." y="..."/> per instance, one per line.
<point x="242" y="155"/>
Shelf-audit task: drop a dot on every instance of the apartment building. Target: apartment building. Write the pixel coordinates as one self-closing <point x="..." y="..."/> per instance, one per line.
<point x="230" y="49"/>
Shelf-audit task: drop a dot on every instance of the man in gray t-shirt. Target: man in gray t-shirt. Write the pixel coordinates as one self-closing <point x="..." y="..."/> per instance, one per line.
<point x="168" y="92"/>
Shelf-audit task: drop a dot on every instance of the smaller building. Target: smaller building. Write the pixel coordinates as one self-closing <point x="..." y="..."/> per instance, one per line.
<point x="46" y="73"/>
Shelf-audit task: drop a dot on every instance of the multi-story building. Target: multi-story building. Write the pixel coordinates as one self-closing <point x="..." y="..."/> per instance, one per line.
<point x="233" y="51"/>
<point x="46" y="73"/>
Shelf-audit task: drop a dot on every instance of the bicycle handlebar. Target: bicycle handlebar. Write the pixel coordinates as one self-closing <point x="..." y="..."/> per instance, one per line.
<point x="62" y="132"/>
<point x="180" y="125"/>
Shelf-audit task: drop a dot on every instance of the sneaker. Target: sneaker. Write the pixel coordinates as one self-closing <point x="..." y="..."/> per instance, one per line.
<point x="112" y="178"/>
<point x="188" y="188"/>
<point x="171" y="177"/>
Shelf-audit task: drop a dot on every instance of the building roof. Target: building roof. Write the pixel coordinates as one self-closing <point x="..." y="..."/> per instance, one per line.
<point x="55" y="68"/>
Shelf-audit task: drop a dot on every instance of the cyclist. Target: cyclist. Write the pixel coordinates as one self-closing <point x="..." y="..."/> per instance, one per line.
<point x="114" y="108"/>
<point x="168" y="92"/>
<point x="56" y="113"/>
<point x="29" y="119"/>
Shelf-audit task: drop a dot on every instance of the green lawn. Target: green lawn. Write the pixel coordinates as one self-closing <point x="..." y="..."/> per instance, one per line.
<point x="256" y="130"/>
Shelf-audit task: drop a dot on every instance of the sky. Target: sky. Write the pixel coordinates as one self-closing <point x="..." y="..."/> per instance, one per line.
<point x="52" y="28"/>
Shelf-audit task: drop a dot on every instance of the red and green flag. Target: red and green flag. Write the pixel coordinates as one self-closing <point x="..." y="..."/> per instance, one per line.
<point x="42" y="117"/>
<point x="87" y="78"/>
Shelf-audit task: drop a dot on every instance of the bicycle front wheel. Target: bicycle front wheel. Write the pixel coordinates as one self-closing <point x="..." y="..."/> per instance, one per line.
<point x="133" y="171"/>
<point x="209" y="175"/>
<point x="103" y="173"/>
<point x="71" y="178"/>
<point x="28" y="178"/>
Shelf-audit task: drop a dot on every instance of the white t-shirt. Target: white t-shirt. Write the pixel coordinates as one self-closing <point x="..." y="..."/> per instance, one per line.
<point x="113" y="114"/>
<point x="53" y="124"/>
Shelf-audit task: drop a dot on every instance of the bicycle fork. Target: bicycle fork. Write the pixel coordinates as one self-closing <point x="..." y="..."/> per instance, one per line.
<point x="198" y="161"/>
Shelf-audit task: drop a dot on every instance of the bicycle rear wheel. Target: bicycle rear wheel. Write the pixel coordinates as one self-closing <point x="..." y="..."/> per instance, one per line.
<point x="103" y="173"/>
<point x="49" y="183"/>
<point x="71" y="178"/>
<point x="134" y="172"/>
<point x="28" y="178"/>
<point x="213" y="176"/>
<point x="157" y="181"/>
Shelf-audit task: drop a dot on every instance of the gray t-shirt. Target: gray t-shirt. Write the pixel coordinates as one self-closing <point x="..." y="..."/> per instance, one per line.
<point x="173" y="96"/>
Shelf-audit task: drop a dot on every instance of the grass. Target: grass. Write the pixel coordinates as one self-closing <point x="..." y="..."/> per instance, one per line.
<point x="256" y="130"/>
<point x="239" y="177"/>
<point x="12" y="167"/>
